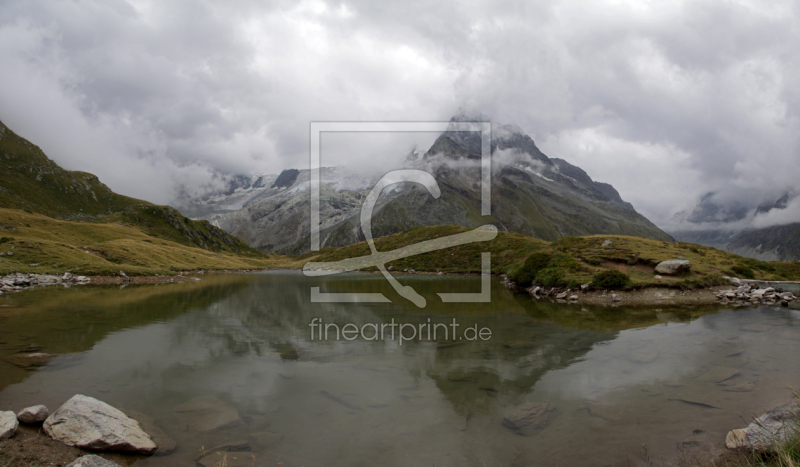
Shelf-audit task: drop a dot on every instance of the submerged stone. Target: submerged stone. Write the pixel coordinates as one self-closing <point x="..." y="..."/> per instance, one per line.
<point x="207" y="414"/>
<point x="530" y="418"/>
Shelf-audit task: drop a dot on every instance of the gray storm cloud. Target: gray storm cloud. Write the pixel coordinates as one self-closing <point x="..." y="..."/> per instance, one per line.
<point x="666" y="101"/>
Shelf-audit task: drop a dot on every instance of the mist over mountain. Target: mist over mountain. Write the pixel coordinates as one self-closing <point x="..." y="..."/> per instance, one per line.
<point x="766" y="229"/>
<point x="531" y="194"/>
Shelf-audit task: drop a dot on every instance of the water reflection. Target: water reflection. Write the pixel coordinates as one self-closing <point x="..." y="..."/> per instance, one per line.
<point x="617" y="377"/>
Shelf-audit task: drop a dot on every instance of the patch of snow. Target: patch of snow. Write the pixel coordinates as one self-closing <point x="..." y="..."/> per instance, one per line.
<point x="537" y="174"/>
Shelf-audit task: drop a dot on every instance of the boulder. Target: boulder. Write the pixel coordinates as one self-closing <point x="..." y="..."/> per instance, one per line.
<point x="92" y="461"/>
<point x="33" y="415"/>
<point x="561" y="296"/>
<point x="207" y="414"/>
<point x="88" y="423"/>
<point x="8" y="424"/>
<point x="530" y="418"/>
<point x="673" y="266"/>
<point x="774" y="428"/>
<point x="736" y="439"/>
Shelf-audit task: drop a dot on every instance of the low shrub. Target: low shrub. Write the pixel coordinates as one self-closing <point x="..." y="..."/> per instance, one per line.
<point x="545" y="269"/>
<point x="526" y="274"/>
<point x="610" y="279"/>
<point x="551" y="277"/>
<point x="743" y="271"/>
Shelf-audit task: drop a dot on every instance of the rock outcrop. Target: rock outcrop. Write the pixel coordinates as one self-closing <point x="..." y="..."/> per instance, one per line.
<point x="672" y="267"/>
<point x="88" y="423"/>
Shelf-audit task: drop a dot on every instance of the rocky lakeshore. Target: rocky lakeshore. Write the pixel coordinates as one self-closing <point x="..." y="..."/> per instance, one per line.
<point x="747" y="293"/>
<point x="86" y="432"/>
<point x="70" y="435"/>
<point x="17" y="282"/>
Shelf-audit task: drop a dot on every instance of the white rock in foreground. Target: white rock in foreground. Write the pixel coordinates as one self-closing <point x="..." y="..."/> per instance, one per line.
<point x="88" y="423"/>
<point x="8" y="424"/>
<point x="774" y="428"/>
<point x="736" y="439"/>
<point x="673" y="266"/>
<point x="92" y="461"/>
<point x="32" y="415"/>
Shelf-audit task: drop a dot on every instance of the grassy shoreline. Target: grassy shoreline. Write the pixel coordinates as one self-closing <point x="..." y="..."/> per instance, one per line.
<point x="43" y="245"/>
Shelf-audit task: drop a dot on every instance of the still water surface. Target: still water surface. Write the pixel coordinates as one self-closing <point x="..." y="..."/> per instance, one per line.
<point x="619" y="379"/>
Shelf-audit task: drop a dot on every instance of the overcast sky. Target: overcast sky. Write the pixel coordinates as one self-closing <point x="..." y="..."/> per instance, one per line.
<point x="664" y="100"/>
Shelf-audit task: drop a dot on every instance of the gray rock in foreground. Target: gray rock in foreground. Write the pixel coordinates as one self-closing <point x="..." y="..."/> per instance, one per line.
<point x="774" y="428"/>
<point x="33" y="415"/>
<point x="529" y="418"/>
<point x="8" y="424"/>
<point x="88" y="423"/>
<point x="673" y="266"/>
<point x="92" y="461"/>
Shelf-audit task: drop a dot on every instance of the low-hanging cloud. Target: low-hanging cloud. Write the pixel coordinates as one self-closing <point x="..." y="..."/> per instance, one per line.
<point x="777" y="216"/>
<point x="666" y="101"/>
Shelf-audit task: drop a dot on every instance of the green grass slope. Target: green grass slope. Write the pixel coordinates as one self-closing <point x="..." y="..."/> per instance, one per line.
<point x="30" y="181"/>
<point x="571" y="261"/>
<point x="43" y="245"/>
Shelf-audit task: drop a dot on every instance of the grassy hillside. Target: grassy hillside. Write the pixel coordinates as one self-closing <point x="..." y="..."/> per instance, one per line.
<point x="573" y="260"/>
<point x="167" y="223"/>
<point x="42" y="244"/>
<point x="30" y="180"/>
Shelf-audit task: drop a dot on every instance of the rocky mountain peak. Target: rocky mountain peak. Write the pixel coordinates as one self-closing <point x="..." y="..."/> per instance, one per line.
<point x="286" y="178"/>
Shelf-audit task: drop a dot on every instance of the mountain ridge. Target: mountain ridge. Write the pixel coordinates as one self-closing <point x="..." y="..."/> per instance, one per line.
<point x="531" y="194"/>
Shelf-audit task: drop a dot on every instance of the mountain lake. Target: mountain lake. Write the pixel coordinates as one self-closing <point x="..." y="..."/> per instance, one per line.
<point x="554" y="384"/>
